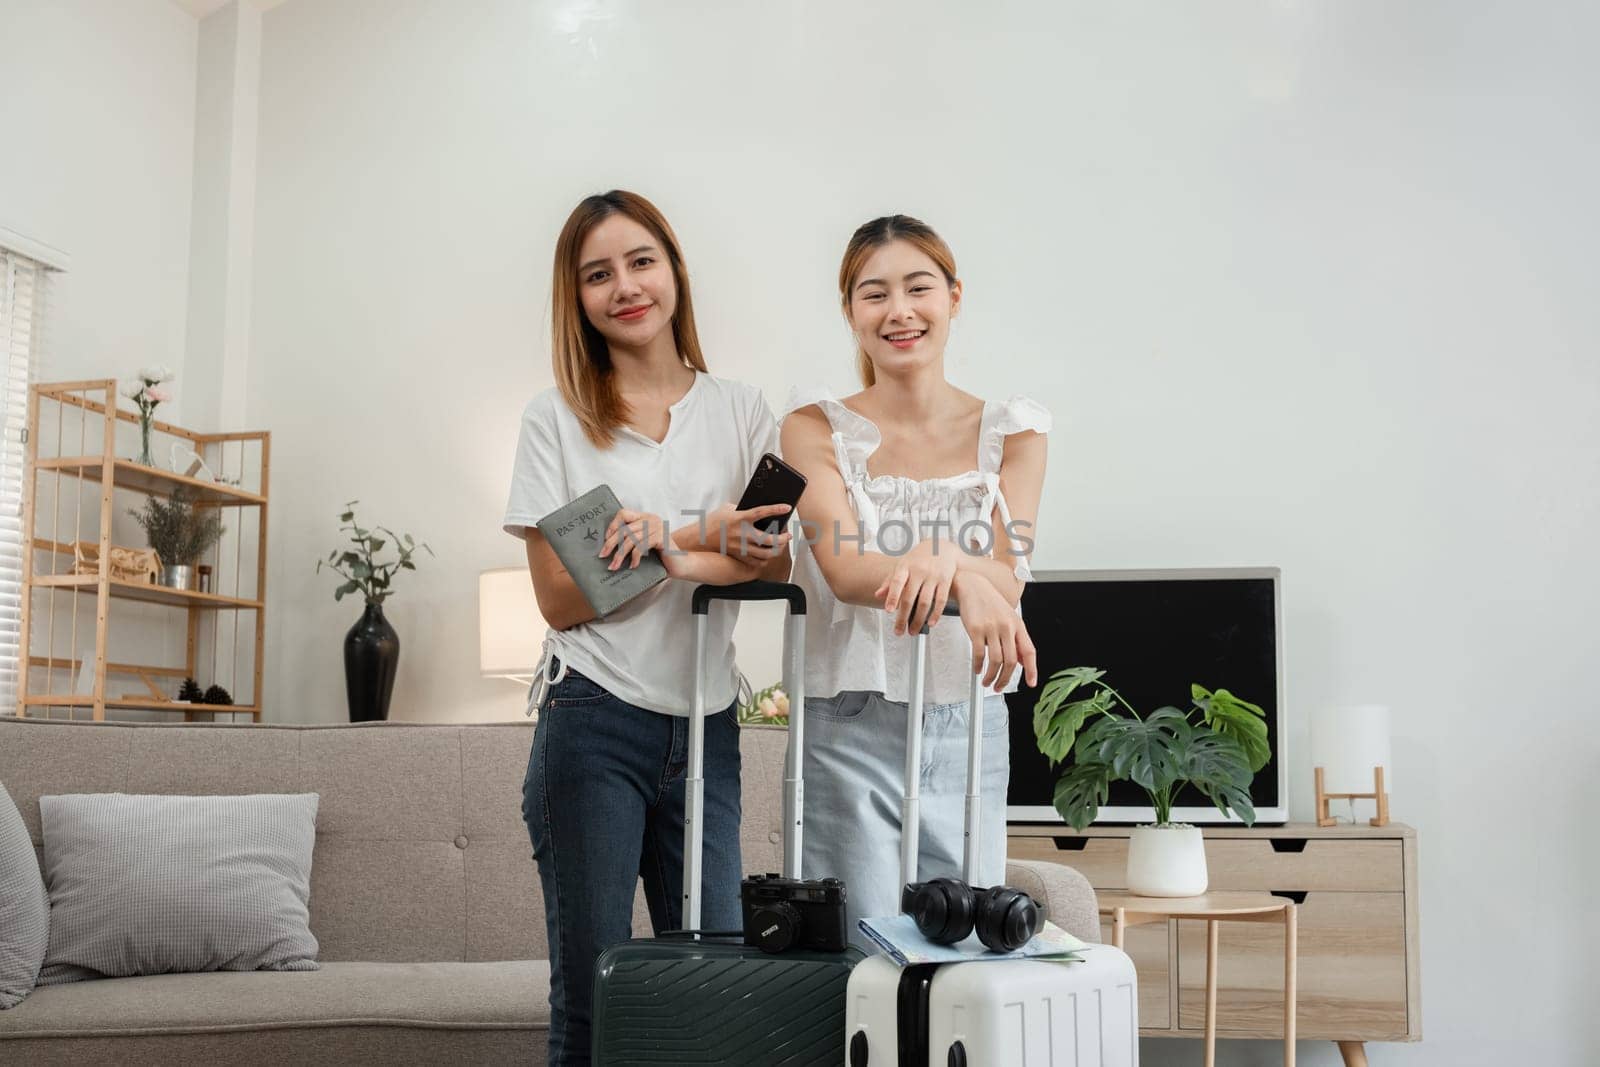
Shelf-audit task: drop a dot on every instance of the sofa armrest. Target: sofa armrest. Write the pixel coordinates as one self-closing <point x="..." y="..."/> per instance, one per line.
<point x="1066" y="896"/>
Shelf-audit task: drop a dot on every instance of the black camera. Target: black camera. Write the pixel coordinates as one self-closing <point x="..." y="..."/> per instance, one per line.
<point x="784" y="913"/>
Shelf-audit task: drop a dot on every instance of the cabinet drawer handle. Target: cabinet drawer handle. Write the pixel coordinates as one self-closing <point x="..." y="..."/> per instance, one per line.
<point x="1288" y="844"/>
<point x="1070" y="844"/>
<point x="1296" y="895"/>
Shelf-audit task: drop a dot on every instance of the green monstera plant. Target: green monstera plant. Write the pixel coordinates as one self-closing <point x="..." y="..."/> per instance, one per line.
<point x="1216" y="746"/>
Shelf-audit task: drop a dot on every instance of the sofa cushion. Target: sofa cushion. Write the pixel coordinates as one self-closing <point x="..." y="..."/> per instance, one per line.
<point x="158" y="884"/>
<point x="344" y="1013"/>
<point x="506" y="994"/>
<point x="24" y="907"/>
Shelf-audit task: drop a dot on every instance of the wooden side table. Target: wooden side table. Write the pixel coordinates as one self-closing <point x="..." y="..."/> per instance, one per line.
<point x="1215" y="908"/>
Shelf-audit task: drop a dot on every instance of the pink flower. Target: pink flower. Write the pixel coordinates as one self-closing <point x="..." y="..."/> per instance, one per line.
<point x="157" y="396"/>
<point x="769" y="710"/>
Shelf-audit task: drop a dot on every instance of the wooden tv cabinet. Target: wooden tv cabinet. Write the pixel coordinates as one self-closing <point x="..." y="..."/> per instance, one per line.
<point x="1360" y="977"/>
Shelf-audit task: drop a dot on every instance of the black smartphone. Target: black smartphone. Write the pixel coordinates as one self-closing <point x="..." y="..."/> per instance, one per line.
<point x="774" y="482"/>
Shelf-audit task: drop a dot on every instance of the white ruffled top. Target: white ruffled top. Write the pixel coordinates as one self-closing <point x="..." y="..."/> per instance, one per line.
<point x="855" y="648"/>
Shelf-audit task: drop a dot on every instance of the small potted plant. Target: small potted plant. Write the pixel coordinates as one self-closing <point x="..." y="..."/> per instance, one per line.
<point x="1216" y="746"/>
<point x="371" y="647"/>
<point x="179" y="533"/>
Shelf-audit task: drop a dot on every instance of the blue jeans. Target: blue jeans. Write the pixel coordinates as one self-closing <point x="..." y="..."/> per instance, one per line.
<point x="604" y="803"/>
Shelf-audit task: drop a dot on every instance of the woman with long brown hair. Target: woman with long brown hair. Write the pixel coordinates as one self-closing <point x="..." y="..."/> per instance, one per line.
<point x="917" y="493"/>
<point x="633" y="408"/>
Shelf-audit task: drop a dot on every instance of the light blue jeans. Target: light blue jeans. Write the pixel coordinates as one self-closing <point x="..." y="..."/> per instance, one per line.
<point x="855" y="762"/>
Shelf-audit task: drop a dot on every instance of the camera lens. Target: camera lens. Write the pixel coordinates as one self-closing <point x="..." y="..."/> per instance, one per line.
<point x="776" y="926"/>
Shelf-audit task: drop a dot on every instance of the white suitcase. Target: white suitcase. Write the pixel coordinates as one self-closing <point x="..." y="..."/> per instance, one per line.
<point x="1009" y="1013"/>
<point x="1001" y="1013"/>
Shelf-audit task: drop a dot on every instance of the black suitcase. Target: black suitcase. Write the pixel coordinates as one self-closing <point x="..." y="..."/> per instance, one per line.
<point x="705" y="1001"/>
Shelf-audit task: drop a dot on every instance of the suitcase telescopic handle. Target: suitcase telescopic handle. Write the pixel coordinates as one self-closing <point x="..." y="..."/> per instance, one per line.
<point x="794" y="654"/>
<point x="757" y="590"/>
<point x="911" y="801"/>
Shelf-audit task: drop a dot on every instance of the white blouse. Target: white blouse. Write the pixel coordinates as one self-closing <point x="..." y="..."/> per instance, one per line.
<point x="855" y="648"/>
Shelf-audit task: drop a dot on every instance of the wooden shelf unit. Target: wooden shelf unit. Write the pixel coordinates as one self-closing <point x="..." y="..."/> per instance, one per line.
<point x="102" y="473"/>
<point x="1356" y="890"/>
<point x="155" y="594"/>
<point x="126" y="474"/>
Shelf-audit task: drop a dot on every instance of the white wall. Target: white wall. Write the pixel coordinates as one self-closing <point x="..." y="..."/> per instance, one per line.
<point x="98" y="119"/>
<point x="96" y="153"/>
<point x="220" y="283"/>
<point x="1305" y="284"/>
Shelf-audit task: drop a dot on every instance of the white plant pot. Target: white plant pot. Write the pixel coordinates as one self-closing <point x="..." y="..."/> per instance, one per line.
<point x="1166" y="861"/>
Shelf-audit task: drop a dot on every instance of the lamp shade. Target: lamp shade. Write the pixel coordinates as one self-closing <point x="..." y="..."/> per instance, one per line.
<point x="1347" y="742"/>
<point x="510" y="628"/>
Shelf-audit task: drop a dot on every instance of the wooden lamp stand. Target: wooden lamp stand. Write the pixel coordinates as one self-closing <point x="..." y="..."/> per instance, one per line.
<point x="1324" y="818"/>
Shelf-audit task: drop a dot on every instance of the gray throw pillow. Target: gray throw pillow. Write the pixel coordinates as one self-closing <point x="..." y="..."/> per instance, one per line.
<point x="162" y="884"/>
<point x="24" y="907"/>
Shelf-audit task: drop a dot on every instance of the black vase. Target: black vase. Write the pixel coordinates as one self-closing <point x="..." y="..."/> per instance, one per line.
<point x="371" y="656"/>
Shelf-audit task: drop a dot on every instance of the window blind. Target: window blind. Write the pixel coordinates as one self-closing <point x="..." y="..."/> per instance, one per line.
<point x="23" y="299"/>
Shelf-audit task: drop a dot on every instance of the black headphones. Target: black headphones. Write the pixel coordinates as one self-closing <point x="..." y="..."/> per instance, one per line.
<point x="947" y="910"/>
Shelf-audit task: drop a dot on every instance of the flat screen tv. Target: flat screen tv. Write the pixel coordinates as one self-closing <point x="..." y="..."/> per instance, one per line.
<point x="1154" y="632"/>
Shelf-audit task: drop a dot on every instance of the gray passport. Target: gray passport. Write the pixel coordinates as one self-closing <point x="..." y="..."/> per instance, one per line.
<point x="576" y="531"/>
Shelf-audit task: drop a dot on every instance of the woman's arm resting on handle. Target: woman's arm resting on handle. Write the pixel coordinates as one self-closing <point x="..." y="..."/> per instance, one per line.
<point x="777" y="569"/>
<point x="709" y="568"/>
<point x="1000" y="641"/>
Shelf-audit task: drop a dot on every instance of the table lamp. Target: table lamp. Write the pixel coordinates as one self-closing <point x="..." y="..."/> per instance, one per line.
<point x="1350" y="751"/>
<point x="510" y="629"/>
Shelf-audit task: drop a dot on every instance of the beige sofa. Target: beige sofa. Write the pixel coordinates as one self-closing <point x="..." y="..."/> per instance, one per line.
<point x="424" y="896"/>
